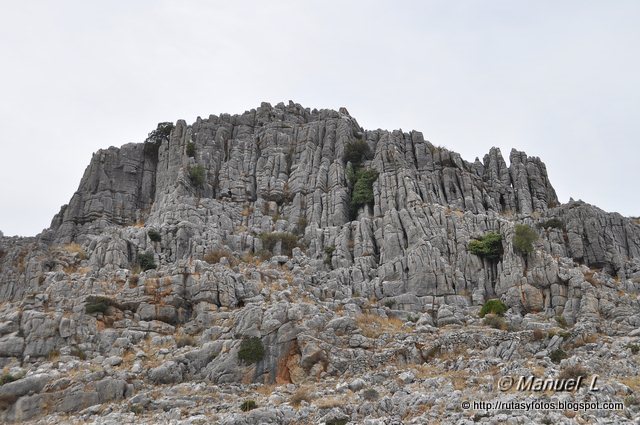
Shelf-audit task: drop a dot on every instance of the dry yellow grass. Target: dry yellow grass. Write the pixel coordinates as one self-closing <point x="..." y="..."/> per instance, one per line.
<point x="303" y="393"/>
<point x="74" y="248"/>
<point x="266" y="390"/>
<point x="373" y="326"/>
<point x="331" y="402"/>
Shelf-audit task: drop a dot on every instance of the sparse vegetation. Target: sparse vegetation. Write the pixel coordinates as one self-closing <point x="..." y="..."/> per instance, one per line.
<point x="370" y="394"/>
<point x="160" y="133"/>
<point x="488" y="246"/>
<point x="197" y="175"/>
<point x="75" y="248"/>
<point x="97" y="304"/>
<point x="635" y="348"/>
<point x="552" y="223"/>
<point x="185" y="341"/>
<point x="251" y="350"/>
<point x="301" y="225"/>
<point x="362" y="193"/>
<point x="523" y="239"/>
<point x="493" y="306"/>
<point x="572" y="372"/>
<point x="5" y="378"/>
<point x="561" y="321"/>
<point x="558" y="355"/>
<point x="154" y="235"/>
<point x="214" y="256"/>
<point x="343" y="421"/>
<point x="538" y="335"/>
<point x="77" y="352"/>
<point x="372" y="325"/>
<point x="356" y="152"/>
<point x="301" y="394"/>
<point x="328" y="252"/>
<point x="495" y="322"/>
<point x="287" y="240"/>
<point x="248" y="405"/>
<point x="146" y="261"/>
<point x="191" y="149"/>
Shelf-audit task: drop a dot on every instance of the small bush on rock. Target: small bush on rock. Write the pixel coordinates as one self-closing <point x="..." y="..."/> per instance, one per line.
<point x="146" y="261"/>
<point x="558" y="355"/>
<point x="493" y="306"/>
<point x="154" y="235"/>
<point x="248" y="405"/>
<point x="196" y="175"/>
<point x="489" y="246"/>
<point x="191" y="149"/>
<point x="356" y="152"/>
<point x="6" y="378"/>
<point x="97" y="304"/>
<point x="251" y="350"/>
<point x="288" y="241"/>
<point x="552" y="223"/>
<point x="524" y="238"/>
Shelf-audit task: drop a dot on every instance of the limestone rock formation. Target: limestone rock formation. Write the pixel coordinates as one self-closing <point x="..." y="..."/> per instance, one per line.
<point x="259" y="249"/>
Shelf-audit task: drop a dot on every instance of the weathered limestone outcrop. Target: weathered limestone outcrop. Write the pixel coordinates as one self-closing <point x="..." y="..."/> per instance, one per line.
<point x="174" y="251"/>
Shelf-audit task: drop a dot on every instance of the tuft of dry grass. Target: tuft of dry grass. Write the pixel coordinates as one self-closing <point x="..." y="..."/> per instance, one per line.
<point x="589" y="277"/>
<point x="330" y="402"/>
<point x="373" y="326"/>
<point x="75" y="248"/>
<point x="302" y="394"/>
<point x="214" y="256"/>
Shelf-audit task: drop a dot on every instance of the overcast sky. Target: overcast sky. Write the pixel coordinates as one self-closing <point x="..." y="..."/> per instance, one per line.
<point x="557" y="79"/>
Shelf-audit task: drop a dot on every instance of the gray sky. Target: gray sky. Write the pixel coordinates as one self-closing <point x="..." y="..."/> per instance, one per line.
<point x="557" y="79"/>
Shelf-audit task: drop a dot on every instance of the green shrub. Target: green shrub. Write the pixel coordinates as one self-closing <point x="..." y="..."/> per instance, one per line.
<point x="161" y="132"/>
<point x="558" y="355"/>
<point x="251" y="350"/>
<point x="6" y="378"/>
<point x="97" y="304"/>
<point x="328" y="251"/>
<point x="248" y="405"/>
<point x="154" y="235"/>
<point x="524" y="238"/>
<point x="489" y="246"/>
<point x="553" y="223"/>
<point x="146" y="261"/>
<point x="344" y="421"/>
<point x="356" y="152"/>
<point x="196" y="175"/>
<point x="287" y="240"/>
<point x="635" y="348"/>
<point x="191" y="149"/>
<point x="560" y="320"/>
<point x="493" y="306"/>
<point x="362" y="193"/>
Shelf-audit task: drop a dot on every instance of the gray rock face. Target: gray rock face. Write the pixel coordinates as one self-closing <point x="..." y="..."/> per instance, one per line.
<point x="173" y="252"/>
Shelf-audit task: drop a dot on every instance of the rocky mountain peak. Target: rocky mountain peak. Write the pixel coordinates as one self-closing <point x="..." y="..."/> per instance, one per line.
<point x="288" y="247"/>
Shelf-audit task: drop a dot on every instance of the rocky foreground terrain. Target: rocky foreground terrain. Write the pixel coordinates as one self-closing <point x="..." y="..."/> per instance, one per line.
<point x="285" y="266"/>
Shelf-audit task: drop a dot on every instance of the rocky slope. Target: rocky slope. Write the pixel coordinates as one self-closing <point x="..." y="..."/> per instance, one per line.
<point x="288" y="257"/>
